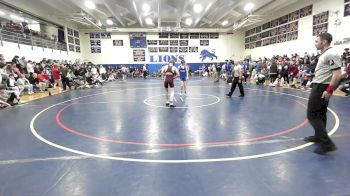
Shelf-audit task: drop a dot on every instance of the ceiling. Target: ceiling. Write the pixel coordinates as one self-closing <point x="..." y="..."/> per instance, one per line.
<point x="163" y="15"/>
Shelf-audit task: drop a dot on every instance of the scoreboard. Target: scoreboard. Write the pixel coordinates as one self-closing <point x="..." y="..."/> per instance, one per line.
<point x="138" y="40"/>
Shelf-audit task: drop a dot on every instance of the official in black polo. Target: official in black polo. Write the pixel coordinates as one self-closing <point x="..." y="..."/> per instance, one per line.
<point x="237" y="73"/>
<point x="327" y="77"/>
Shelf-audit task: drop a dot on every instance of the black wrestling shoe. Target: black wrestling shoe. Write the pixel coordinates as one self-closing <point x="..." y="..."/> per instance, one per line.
<point x="167" y="104"/>
<point x="322" y="150"/>
<point x="172" y="106"/>
<point x="313" y="139"/>
<point x="228" y="95"/>
<point x="241" y="96"/>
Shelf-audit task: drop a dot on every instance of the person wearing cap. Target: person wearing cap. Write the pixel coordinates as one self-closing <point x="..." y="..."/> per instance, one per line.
<point x="183" y="71"/>
<point x="170" y="72"/>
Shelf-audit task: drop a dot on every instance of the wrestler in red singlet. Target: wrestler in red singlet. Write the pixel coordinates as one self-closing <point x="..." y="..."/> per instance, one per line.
<point x="170" y="72"/>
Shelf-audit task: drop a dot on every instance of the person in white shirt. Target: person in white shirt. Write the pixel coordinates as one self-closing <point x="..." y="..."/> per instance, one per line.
<point x="102" y="70"/>
<point x="23" y="83"/>
<point x="327" y="77"/>
<point x="94" y="70"/>
<point x="30" y="67"/>
<point x="11" y="86"/>
<point x="213" y="72"/>
<point x="124" y="72"/>
<point x="237" y="79"/>
<point x="144" y="70"/>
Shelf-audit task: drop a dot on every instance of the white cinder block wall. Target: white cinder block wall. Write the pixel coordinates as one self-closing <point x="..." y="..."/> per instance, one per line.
<point x="228" y="45"/>
<point x="305" y="41"/>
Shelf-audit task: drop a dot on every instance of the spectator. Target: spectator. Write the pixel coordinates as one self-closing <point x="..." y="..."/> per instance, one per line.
<point x="2" y="59"/>
<point x="4" y="70"/>
<point x="144" y="71"/>
<point x="44" y="81"/>
<point x="15" y="70"/>
<point x="258" y="66"/>
<point x="23" y="83"/>
<point x="23" y="64"/>
<point x="56" y="76"/>
<point x="284" y="72"/>
<point x="103" y="72"/>
<point x="345" y="82"/>
<point x="11" y="86"/>
<point x="30" y="67"/>
<point x="273" y="71"/>
<point x="33" y="80"/>
<point x="65" y="77"/>
<point x="15" y="61"/>
<point x="293" y="73"/>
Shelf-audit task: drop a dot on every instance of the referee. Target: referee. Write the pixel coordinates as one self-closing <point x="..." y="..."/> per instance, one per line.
<point x="327" y="77"/>
<point x="237" y="73"/>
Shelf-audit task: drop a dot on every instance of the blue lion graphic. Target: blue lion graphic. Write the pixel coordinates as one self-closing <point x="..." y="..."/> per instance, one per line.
<point x="206" y="54"/>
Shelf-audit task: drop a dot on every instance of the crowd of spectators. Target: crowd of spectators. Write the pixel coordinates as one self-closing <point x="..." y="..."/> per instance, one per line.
<point x="295" y="71"/>
<point x="21" y="76"/>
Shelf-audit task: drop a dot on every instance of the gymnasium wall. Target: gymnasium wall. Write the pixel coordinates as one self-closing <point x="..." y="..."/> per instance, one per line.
<point x="305" y="41"/>
<point x="227" y="46"/>
<point x="9" y="50"/>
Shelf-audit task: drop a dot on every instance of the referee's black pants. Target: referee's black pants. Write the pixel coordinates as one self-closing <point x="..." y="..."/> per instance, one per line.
<point x="317" y="114"/>
<point x="236" y="82"/>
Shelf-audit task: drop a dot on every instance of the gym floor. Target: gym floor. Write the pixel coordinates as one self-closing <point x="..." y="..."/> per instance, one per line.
<point x="120" y="139"/>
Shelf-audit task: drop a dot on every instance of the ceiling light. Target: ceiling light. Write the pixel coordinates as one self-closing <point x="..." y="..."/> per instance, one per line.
<point x="149" y="21"/>
<point x="188" y="21"/>
<point x="224" y="23"/>
<point x="146" y="7"/>
<point x="90" y="5"/>
<point x="16" y="17"/>
<point x="26" y="21"/>
<point x="197" y="8"/>
<point x="2" y="13"/>
<point x="109" y="22"/>
<point x="35" y="22"/>
<point x="248" y="7"/>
